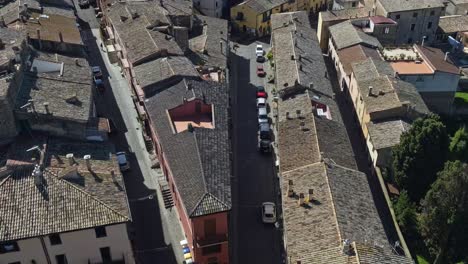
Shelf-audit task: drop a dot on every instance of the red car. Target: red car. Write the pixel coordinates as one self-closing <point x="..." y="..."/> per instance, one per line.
<point x="260" y="71"/>
<point x="261" y="93"/>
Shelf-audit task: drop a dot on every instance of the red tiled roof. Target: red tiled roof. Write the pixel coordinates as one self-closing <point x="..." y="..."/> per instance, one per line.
<point x="381" y="20"/>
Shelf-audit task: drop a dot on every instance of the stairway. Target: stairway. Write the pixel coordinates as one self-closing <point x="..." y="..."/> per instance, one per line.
<point x="167" y="197"/>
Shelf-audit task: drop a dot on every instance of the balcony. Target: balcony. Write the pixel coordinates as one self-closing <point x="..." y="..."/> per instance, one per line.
<point x="211" y="240"/>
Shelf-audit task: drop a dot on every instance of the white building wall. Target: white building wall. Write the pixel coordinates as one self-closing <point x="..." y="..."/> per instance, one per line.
<point x="79" y="247"/>
<point x="212" y="8"/>
<point x="437" y="82"/>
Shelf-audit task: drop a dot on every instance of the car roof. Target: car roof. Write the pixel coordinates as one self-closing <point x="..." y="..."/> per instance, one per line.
<point x="259" y="46"/>
<point x="96" y="68"/>
<point x="262" y="111"/>
<point x="261" y="100"/>
<point x="260" y="88"/>
<point x="121" y="159"/>
<point x="259" y="66"/>
<point x="264" y="127"/>
<point x="269" y="207"/>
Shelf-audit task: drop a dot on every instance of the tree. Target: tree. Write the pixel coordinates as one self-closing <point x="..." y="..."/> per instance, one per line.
<point x="405" y="211"/>
<point x="444" y="214"/>
<point x="420" y="155"/>
<point x="459" y="145"/>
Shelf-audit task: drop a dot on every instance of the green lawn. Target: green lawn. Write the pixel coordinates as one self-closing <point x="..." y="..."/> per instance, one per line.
<point x="421" y="260"/>
<point x="461" y="98"/>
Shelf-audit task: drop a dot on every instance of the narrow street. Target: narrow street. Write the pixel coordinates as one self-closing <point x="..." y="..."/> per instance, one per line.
<point x="154" y="235"/>
<point x="255" y="179"/>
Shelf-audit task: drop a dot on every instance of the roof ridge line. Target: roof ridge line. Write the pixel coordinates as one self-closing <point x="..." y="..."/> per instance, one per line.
<point x="86" y="193"/>
<point x="215" y="197"/>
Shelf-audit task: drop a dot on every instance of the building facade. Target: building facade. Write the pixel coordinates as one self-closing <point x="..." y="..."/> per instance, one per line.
<point x="417" y="20"/>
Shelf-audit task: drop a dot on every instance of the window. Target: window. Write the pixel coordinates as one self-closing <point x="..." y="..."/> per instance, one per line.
<point x="211" y="250"/>
<point x="432" y="12"/>
<point x="240" y="16"/>
<point x="61" y="259"/>
<point x="429" y="25"/>
<point x="420" y="79"/>
<point x="55" y="239"/>
<point x="100" y="231"/>
<point x="353" y="4"/>
<point x="415" y="14"/>
<point x="8" y="247"/>
<point x="410" y="40"/>
<point x="105" y="254"/>
<point x="412" y="27"/>
<point x="397" y="17"/>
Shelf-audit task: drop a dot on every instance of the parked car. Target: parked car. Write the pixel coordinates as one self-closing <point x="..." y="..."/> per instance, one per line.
<point x="260" y="71"/>
<point x="259" y="50"/>
<point x="264" y="131"/>
<point x="83" y="4"/>
<point x="97" y="72"/>
<point x="264" y="145"/>
<point x="122" y="160"/>
<point x="260" y="58"/>
<point x="261" y="93"/>
<point x="261" y="102"/>
<point x="269" y="213"/>
<point x="262" y="115"/>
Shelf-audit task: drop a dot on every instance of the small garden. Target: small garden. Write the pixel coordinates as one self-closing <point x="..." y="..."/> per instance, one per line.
<point x="430" y="168"/>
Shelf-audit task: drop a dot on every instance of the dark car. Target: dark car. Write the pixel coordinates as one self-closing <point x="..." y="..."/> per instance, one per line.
<point x="261" y="93"/>
<point x="260" y="58"/>
<point x="260" y="71"/>
<point x="264" y="145"/>
<point x="264" y="131"/>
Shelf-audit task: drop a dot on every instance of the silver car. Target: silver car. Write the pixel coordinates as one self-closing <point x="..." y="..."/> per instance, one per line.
<point x="268" y="213"/>
<point x="262" y="115"/>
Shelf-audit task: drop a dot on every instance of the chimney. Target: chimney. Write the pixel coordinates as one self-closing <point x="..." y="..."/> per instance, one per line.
<point x="2" y="22"/>
<point x="370" y="91"/>
<point x="87" y="159"/>
<point x="446" y="55"/>
<point x="33" y="108"/>
<point x="299" y="57"/>
<point x="292" y="57"/>
<point x="298" y="113"/>
<point x="190" y="127"/>
<point x="395" y="74"/>
<point x="346" y="246"/>
<point x="288" y="116"/>
<point x="77" y="62"/>
<point x="290" y="188"/>
<point x="46" y="106"/>
<point x="326" y="74"/>
<point x="71" y="160"/>
<point x="311" y="86"/>
<point x="37" y="174"/>
<point x="300" y="67"/>
<point x="60" y="36"/>
<point x="221" y="46"/>
<point x="310" y="195"/>
<point x="424" y="39"/>
<point x="301" y="199"/>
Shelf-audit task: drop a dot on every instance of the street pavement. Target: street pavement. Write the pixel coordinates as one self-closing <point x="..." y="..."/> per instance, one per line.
<point x="155" y="231"/>
<point x="255" y="179"/>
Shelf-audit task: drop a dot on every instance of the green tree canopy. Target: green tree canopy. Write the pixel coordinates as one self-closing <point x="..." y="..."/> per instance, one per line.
<point x="420" y="155"/>
<point x="444" y="214"/>
<point x="459" y="145"/>
<point x="405" y="211"/>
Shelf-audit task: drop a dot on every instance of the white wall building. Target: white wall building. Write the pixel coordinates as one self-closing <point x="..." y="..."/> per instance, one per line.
<point x="63" y="214"/>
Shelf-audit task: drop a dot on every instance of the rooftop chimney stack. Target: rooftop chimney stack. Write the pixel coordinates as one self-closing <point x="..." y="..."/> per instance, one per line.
<point x="87" y="159"/>
<point x="33" y="108"/>
<point x="326" y="74"/>
<point x="446" y="55"/>
<point x="288" y="116"/>
<point x="71" y="159"/>
<point x="46" y="106"/>
<point x="60" y="36"/>
<point x="290" y="188"/>
<point x="301" y="199"/>
<point x="37" y="174"/>
<point x="221" y="46"/>
<point x="370" y="91"/>
<point x="310" y="195"/>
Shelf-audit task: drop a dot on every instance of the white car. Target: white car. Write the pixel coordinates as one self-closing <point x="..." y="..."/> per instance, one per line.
<point x="261" y="102"/>
<point x="262" y="115"/>
<point x="259" y="50"/>
<point x="122" y="160"/>
<point x="269" y="213"/>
